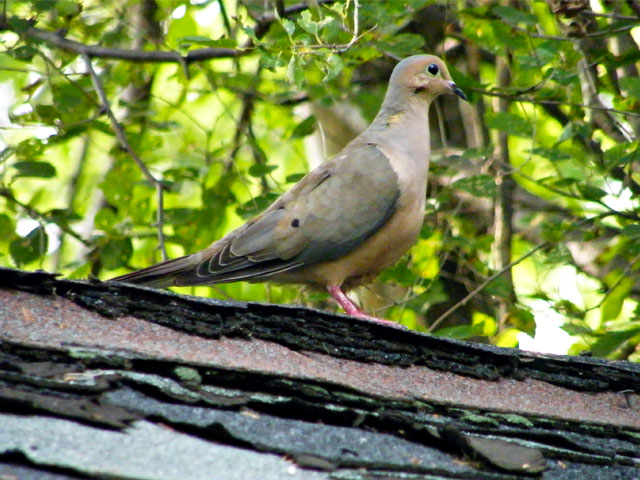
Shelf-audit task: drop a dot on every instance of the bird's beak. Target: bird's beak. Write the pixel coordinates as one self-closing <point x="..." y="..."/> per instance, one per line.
<point x="456" y="89"/>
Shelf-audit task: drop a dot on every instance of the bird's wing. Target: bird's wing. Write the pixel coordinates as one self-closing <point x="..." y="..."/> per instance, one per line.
<point x="330" y="212"/>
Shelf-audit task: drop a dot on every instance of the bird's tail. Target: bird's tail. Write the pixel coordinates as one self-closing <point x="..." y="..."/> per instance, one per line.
<point x="163" y="274"/>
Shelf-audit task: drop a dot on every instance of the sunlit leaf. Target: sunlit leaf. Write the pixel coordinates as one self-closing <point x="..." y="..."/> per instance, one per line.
<point x="510" y="123"/>
<point x="514" y="16"/>
<point x="477" y="185"/>
<point x="305" y="127"/>
<point x="507" y="338"/>
<point x="460" y="332"/>
<point x="631" y="231"/>
<point x="34" y="169"/>
<point x="613" y="340"/>
<point x="402" y="45"/>
<point x="612" y="304"/>
<point x="116" y="253"/>
<point x="332" y="67"/>
<point x="631" y="85"/>
<point x="260" y="170"/>
<point x="589" y="192"/>
<point x="27" y="249"/>
<point x="295" y="72"/>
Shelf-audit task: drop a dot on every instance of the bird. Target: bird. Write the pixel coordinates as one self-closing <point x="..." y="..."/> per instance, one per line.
<point x="346" y="220"/>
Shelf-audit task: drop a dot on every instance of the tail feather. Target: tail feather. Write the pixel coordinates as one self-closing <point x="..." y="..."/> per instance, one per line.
<point x="161" y="275"/>
<point x="196" y="269"/>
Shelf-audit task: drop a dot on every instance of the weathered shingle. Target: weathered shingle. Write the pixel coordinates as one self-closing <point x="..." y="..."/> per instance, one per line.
<point x="101" y="381"/>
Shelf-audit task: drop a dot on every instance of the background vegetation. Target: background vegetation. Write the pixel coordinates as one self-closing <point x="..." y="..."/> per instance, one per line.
<point x="139" y="129"/>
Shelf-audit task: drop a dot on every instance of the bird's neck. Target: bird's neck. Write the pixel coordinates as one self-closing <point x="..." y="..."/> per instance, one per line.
<point x="405" y="126"/>
<point x="399" y="111"/>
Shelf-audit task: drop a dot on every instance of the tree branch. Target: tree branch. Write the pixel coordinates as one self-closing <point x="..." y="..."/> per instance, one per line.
<point x="154" y="56"/>
<point x="635" y="6"/>
<point x="122" y="138"/>
<point x="32" y="212"/>
<point x="518" y="98"/>
<point x="503" y="206"/>
<point x="480" y="287"/>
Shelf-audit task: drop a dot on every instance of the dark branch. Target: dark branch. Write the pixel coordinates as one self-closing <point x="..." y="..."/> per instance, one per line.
<point x="122" y="138"/>
<point x="155" y="56"/>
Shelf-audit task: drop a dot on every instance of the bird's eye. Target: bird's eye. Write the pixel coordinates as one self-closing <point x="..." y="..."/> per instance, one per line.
<point x="433" y="69"/>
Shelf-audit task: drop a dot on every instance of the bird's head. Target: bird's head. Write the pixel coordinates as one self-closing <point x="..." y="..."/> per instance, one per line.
<point x="423" y="75"/>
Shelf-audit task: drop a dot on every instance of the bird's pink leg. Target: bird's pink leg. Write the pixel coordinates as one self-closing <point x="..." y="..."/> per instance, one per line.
<point x="347" y="305"/>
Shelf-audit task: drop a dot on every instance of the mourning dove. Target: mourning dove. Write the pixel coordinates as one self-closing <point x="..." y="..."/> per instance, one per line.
<point x="346" y="220"/>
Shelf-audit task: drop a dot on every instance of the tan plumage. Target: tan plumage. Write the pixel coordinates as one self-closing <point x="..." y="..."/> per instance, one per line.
<point x="345" y="221"/>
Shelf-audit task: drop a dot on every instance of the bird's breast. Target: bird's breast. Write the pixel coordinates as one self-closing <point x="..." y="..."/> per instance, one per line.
<point x="379" y="251"/>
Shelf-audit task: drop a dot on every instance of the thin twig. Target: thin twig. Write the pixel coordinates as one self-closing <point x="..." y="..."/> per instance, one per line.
<point x="32" y="212"/>
<point x="603" y="33"/>
<point x="608" y="15"/>
<point x="624" y="274"/>
<point x="480" y="287"/>
<point x="122" y="138"/>
<point x="155" y="56"/>
<point x="544" y="244"/>
<point x="356" y="27"/>
<point x="516" y="98"/>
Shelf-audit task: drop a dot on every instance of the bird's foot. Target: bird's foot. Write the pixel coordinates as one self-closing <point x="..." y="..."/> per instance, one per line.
<point x="350" y="309"/>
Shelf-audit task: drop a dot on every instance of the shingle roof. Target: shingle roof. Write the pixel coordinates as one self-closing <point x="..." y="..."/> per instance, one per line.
<point x="102" y="380"/>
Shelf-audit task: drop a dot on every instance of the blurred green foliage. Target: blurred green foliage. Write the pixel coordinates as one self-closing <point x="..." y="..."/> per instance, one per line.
<point x="226" y="135"/>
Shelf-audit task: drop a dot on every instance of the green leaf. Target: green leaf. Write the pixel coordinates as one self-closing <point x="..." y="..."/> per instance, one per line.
<point x="402" y="45"/>
<point x="309" y="25"/>
<point x="612" y="305"/>
<point x="553" y="154"/>
<point x="68" y="8"/>
<point x="288" y="26"/>
<point x="631" y="231"/>
<point x="18" y="25"/>
<point x="6" y="226"/>
<point x="257" y="205"/>
<point x="514" y="16"/>
<point x="559" y="254"/>
<point x="478" y="185"/>
<point x="6" y="153"/>
<point x="563" y="182"/>
<point x="572" y="130"/>
<point x="612" y="340"/>
<point x="305" y="127"/>
<point x="631" y="85"/>
<point x="577" y="329"/>
<point x="510" y="123"/>
<point x="251" y="33"/>
<point x="399" y="274"/>
<point x="484" y="324"/>
<point x="589" y="192"/>
<point x="460" y="332"/>
<point x="523" y="320"/>
<point x="34" y="169"/>
<point x="622" y="154"/>
<point x="295" y="72"/>
<point x="507" y="338"/>
<point x="105" y="219"/>
<point x="116" y="253"/>
<point x="44" y="5"/>
<point x="24" y="53"/>
<point x="178" y="215"/>
<point x="27" y="249"/>
<point x="294" y="177"/>
<point x="47" y="113"/>
<point x="259" y="170"/>
<point x="29" y="148"/>
<point x="332" y="67"/>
